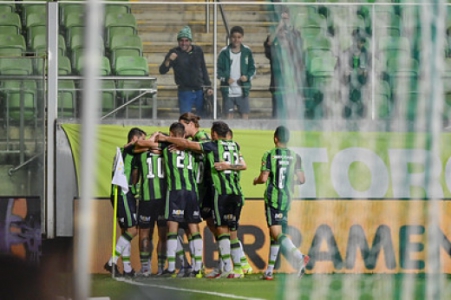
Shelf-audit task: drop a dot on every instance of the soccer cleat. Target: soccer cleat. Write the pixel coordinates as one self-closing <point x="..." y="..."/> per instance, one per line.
<point x="267" y="276"/>
<point x="247" y="269"/>
<point x="184" y="271"/>
<point x="233" y="275"/>
<point x="214" y="274"/>
<point x="302" y="265"/>
<point x="167" y="273"/>
<point x="110" y="269"/>
<point x="130" y="274"/>
<point x="144" y="272"/>
<point x="196" y="274"/>
<point x="160" y="271"/>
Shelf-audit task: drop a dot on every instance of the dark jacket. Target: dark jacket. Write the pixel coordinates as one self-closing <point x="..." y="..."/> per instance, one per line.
<point x="190" y="71"/>
<point x="247" y="68"/>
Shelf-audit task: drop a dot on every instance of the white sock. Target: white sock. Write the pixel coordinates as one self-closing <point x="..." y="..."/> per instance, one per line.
<point x="224" y="249"/>
<point x="273" y="252"/>
<point x="171" y="249"/>
<point x="236" y="253"/>
<point x="287" y="244"/>
<point x="198" y="246"/>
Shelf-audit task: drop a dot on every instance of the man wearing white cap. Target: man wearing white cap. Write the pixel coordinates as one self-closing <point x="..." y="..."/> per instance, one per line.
<point x="190" y="72"/>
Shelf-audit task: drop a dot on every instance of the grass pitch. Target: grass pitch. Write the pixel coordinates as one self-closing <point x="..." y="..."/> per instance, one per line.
<point x="318" y="286"/>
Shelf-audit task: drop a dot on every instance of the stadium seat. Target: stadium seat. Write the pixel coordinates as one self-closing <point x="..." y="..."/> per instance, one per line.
<point x="118" y="8"/>
<point x="36" y="24"/>
<point x="10" y="23"/>
<point x="39" y="44"/>
<point x="74" y="25"/>
<point x="312" y="25"/>
<point x="77" y="45"/>
<point x="108" y="96"/>
<point x="65" y="9"/>
<point x="131" y="66"/>
<point x="64" y="66"/>
<point x="66" y="98"/>
<point x="105" y="68"/>
<point x="12" y="45"/>
<point x="383" y="102"/>
<point x="7" y="7"/>
<point x="393" y="46"/>
<point x="402" y="69"/>
<point x="123" y="24"/>
<point x="322" y="70"/>
<point x="16" y="66"/>
<point x="32" y="8"/>
<point x="123" y="45"/>
<point x="16" y="92"/>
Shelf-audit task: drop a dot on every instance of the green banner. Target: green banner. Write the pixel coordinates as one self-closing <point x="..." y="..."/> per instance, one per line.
<point x="360" y="165"/>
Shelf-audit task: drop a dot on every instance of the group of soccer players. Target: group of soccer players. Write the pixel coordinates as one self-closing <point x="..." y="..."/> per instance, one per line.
<point x="185" y="177"/>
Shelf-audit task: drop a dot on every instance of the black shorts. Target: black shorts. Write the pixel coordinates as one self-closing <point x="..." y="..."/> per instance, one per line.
<point x="227" y="210"/>
<point x="275" y="216"/>
<point x="151" y="212"/>
<point x="206" y="203"/>
<point x="126" y="210"/>
<point x="182" y="206"/>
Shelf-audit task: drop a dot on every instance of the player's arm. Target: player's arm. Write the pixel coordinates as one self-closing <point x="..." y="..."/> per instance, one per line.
<point x="180" y="142"/>
<point x="146" y="145"/>
<point x="223" y="165"/>
<point x="262" y="178"/>
<point x="300" y="171"/>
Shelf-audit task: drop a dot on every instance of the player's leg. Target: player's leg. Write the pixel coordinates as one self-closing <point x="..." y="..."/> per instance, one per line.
<point x="145" y="231"/>
<point x="171" y="245"/>
<point x="162" y="236"/>
<point x="193" y="218"/>
<point x="174" y="216"/>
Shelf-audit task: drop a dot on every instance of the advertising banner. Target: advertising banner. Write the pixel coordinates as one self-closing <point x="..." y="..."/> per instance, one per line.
<point x="337" y="165"/>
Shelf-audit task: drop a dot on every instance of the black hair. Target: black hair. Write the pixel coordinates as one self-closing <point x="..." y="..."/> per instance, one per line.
<point x="282" y="134"/>
<point x="135" y="131"/>
<point x="230" y="132"/>
<point x="190" y="117"/>
<point x="238" y="29"/>
<point x="221" y="128"/>
<point x="177" y="129"/>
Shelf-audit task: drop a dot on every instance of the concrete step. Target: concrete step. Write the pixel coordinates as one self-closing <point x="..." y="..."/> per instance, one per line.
<point x="163" y="47"/>
<point x="147" y="35"/>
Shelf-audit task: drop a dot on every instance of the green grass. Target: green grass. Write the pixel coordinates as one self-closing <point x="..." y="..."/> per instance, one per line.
<point x="323" y="286"/>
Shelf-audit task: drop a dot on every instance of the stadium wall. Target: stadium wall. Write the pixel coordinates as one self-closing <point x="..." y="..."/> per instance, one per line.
<point x="341" y="236"/>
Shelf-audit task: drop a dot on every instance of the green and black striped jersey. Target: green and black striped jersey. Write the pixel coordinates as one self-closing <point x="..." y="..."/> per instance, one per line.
<point x="203" y="176"/>
<point x="225" y="182"/>
<point x="130" y="164"/>
<point x="282" y="165"/>
<point x="179" y="169"/>
<point x="153" y="181"/>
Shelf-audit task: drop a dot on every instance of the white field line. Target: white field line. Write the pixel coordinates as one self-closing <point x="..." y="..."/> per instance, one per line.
<point x="165" y="287"/>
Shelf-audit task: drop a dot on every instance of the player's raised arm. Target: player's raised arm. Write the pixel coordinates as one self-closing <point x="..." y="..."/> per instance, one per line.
<point x="179" y="142"/>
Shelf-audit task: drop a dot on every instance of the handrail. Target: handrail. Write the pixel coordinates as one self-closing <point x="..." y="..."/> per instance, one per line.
<point x="226" y="23"/>
<point x="12" y="170"/>
<point x="146" y="91"/>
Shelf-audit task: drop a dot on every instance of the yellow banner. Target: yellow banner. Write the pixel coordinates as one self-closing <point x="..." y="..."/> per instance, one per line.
<point x="340" y="236"/>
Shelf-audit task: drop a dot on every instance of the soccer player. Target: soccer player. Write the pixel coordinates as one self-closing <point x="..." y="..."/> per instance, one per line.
<point x="224" y="160"/>
<point x="280" y="166"/>
<point x="126" y="208"/>
<point x="151" y="210"/>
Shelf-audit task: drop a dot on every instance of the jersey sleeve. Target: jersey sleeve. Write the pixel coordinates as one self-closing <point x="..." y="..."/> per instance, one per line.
<point x="266" y="162"/>
<point x="207" y="146"/>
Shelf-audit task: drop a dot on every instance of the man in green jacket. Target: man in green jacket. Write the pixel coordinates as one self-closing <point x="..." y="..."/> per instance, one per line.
<point x="236" y="68"/>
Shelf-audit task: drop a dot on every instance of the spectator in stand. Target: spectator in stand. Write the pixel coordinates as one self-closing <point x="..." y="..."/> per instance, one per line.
<point x="236" y="68"/>
<point x="355" y="65"/>
<point x="190" y="72"/>
<point x="283" y="48"/>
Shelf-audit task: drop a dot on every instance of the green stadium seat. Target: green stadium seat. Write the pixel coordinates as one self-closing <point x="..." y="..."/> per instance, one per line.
<point x="77" y="45"/>
<point x="383" y="102"/>
<point x="12" y="45"/>
<point x="69" y="8"/>
<point x="33" y="8"/>
<point x="16" y="91"/>
<point x="66" y="98"/>
<point x="7" y="8"/>
<point x="74" y="25"/>
<point x="10" y="23"/>
<point x="131" y="66"/>
<point x="36" y="24"/>
<point x="108" y="96"/>
<point x="39" y="44"/>
<point x="105" y="66"/>
<point x="118" y="8"/>
<point x="16" y="66"/>
<point x="402" y="70"/>
<point x="64" y="65"/>
<point x="322" y="71"/>
<point x="125" y="45"/>
<point x="123" y="24"/>
<point x="312" y="25"/>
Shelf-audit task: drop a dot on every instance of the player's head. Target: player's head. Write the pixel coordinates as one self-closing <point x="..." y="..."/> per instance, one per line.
<point x="135" y="134"/>
<point x="219" y="130"/>
<point x="177" y="130"/>
<point x="229" y="135"/>
<point x="282" y="134"/>
<point x="191" y="123"/>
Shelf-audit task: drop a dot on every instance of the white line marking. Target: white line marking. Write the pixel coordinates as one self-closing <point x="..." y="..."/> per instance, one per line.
<point x="187" y="290"/>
